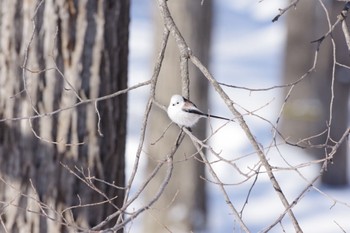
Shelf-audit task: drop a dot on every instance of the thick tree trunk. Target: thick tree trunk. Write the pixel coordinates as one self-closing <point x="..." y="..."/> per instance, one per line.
<point x="338" y="115"/>
<point x="182" y="207"/>
<point x="307" y="111"/>
<point x="300" y="120"/>
<point x="87" y="41"/>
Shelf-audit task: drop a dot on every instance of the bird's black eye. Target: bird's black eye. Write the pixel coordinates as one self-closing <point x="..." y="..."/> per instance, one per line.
<point x="177" y="102"/>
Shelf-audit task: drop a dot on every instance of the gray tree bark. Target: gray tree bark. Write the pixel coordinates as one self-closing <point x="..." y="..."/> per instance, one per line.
<point x="182" y="207"/>
<point x="338" y="115"/>
<point x="307" y="111"/>
<point x="87" y="41"/>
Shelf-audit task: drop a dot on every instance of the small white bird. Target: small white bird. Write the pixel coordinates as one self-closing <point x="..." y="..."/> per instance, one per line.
<point x="185" y="113"/>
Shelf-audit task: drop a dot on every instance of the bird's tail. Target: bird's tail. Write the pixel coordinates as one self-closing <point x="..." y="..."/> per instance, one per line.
<point x="218" y="117"/>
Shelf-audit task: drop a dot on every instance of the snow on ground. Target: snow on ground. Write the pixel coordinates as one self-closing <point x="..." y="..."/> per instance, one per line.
<point x="247" y="51"/>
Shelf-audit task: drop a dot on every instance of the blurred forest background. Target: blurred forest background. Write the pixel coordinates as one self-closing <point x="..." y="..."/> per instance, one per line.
<point x="67" y="98"/>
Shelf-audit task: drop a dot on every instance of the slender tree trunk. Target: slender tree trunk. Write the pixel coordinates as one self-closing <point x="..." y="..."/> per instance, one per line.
<point x="182" y="207"/>
<point x="78" y="51"/>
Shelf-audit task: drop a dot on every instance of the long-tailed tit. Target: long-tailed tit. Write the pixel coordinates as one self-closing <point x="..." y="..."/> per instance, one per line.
<point x="185" y="113"/>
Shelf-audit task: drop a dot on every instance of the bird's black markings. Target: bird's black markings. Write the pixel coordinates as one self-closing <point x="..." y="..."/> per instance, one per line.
<point x="200" y="113"/>
<point x="186" y="100"/>
<point x="194" y="111"/>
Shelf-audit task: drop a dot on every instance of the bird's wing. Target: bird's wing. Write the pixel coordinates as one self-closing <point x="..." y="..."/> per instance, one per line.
<point x="194" y="110"/>
<point x="189" y="102"/>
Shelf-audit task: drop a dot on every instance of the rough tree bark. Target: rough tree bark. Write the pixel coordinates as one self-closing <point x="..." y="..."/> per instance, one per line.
<point x="182" y="207"/>
<point x="307" y="111"/>
<point x="88" y="42"/>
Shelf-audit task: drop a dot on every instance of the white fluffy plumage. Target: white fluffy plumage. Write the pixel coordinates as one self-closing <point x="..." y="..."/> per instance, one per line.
<point x="178" y="114"/>
<point x="185" y="113"/>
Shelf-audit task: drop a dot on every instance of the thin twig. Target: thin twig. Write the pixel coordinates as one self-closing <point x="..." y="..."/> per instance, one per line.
<point x="87" y="101"/>
<point x="284" y="10"/>
<point x="341" y="17"/>
<point x="230" y="104"/>
<point x="218" y="181"/>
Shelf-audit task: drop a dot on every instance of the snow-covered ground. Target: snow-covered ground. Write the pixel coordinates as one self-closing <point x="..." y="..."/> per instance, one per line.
<point x="247" y="50"/>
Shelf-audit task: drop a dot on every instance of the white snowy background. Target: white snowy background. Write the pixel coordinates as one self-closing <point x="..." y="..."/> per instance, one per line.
<point x="247" y="50"/>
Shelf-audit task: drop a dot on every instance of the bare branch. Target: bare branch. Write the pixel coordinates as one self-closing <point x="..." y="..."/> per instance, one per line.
<point x="284" y="10"/>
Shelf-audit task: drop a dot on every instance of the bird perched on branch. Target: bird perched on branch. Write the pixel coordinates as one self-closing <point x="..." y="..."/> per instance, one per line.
<point x="185" y="113"/>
